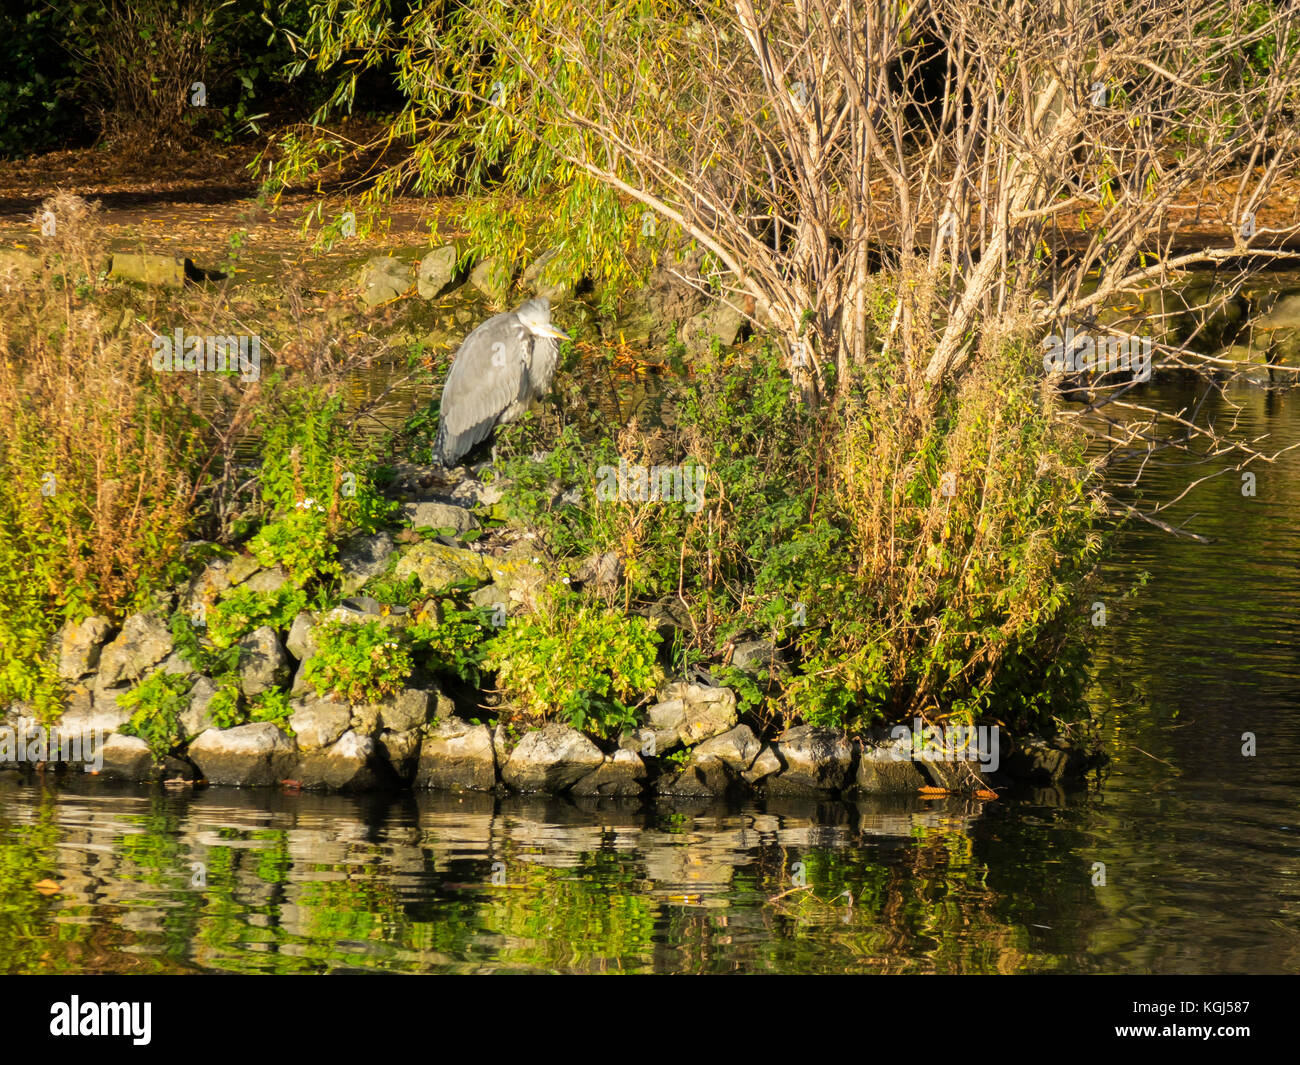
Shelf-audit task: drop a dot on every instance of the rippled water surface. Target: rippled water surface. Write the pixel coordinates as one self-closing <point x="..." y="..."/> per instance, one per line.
<point x="1201" y="845"/>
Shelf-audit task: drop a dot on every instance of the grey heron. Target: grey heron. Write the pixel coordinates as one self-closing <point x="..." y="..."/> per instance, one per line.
<point x="502" y="366"/>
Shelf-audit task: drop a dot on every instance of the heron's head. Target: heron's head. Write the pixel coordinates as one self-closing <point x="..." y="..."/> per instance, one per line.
<point x="535" y="316"/>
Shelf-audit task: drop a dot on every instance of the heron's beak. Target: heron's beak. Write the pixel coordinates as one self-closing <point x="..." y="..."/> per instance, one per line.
<point x="549" y="330"/>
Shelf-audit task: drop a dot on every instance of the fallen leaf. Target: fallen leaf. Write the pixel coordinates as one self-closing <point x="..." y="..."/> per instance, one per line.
<point x="47" y="887"/>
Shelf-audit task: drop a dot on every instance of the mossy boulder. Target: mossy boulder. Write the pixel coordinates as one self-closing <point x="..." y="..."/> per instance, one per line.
<point x="438" y="565"/>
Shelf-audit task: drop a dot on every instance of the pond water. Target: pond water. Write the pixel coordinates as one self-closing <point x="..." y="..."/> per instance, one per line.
<point x="1200" y="844"/>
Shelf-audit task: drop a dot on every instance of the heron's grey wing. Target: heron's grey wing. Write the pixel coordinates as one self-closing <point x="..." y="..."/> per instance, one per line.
<point x="487" y="375"/>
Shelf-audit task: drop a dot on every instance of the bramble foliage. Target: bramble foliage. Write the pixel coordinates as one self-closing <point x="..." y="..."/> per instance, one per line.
<point x="273" y="706"/>
<point x="299" y="542"/>
<point x="314" y="480"/>
<point x="241" y="610"/>
<point x="157" y="703"/>
<point x="577" y="662"/>
<point x="310" y="453"/>
<point x="453" y="641"/>
<point x="831" y="532"/>
<point x="360" y="662"/>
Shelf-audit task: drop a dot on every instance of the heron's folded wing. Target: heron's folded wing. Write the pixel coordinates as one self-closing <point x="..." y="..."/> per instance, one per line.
<point x="487" y="375"/>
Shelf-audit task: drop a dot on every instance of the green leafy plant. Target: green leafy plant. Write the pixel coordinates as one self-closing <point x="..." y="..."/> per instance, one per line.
<point x="362" y="662"/>
<point x="273" y="706"/>
<point x="157" y="703"/>
<point x="241" y="610"/>
<point x="300" y="542"/>
<point x="392" y="591"/>
<point x="454" y="640"/>
<point x="227" y="705"/>
<point x="588" y="666"/>
<point x="314" y="464"/>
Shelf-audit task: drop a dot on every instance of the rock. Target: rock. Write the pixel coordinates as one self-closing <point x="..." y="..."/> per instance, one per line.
<point x="1284" y="348"/>
<point x="472" y="493"/>
<point x="695" y="712"/>
<point x="714" y="765"/>
<point x="1249" y="364"/>
<point x="533" y="272"/>
<point x="438" y="516"/>
<point x="104" y="712"/>
<point x="126" y="758"/>
<point x="1046" y="763"/>
<point x="410" y="479"/>
<point x="365" y="719"/>
<point x="145" y="640"/>
<point x="175" y="665"/>
<point x="1285" y="314"/>
<point x="263" y="663"/>
<point x="621" y="774"/>
<point x="363" y="557"/>
<point x="555" y="293"/>
<point x="492" y="596"/>
<point x="666" y="720"/>
<point x="885" y="767"/>
<point x="764" y="766"/>
<point x="80" y="646"/>
<point x="239" y="569"/>
<point x="456" y="755"/>
<point x="355" y="610"/>
<point x="551" y="759"/>
<point x="517" y="578"/>
<point x="668" y="616"/>
<point x="300" y="685"/>
<point x="492" y="278"/>
<point x="351" y="764"/>
<point x="758" y="656"/>
<point x="245" y="756"/>
<point x="166" y="270"/>
<point x="218" y="576"/>
<point x="437" y="271"/>
<point x="196" y="718"/>
<point x="648" y="742"/>
<point x="408" y="709"/>
<point x="301" y="642"/>
<point x="77" y="737"/>
<point x="664" y="300"/>
<point x="604" y="571"/>
<point x="402" y="749"/>
<point x="700" y="778"/>
<point x="318" y="723"/>
<point x="736" y="749"/>
<point x="548" y="290"/>
<point x="438" y="566"/>
<point x="721" y="321"/>
<point x="384" y="278"/>
<point x="815" y="759"/>
<point x="501" y="745"/>
<point x="267" y="580"/>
